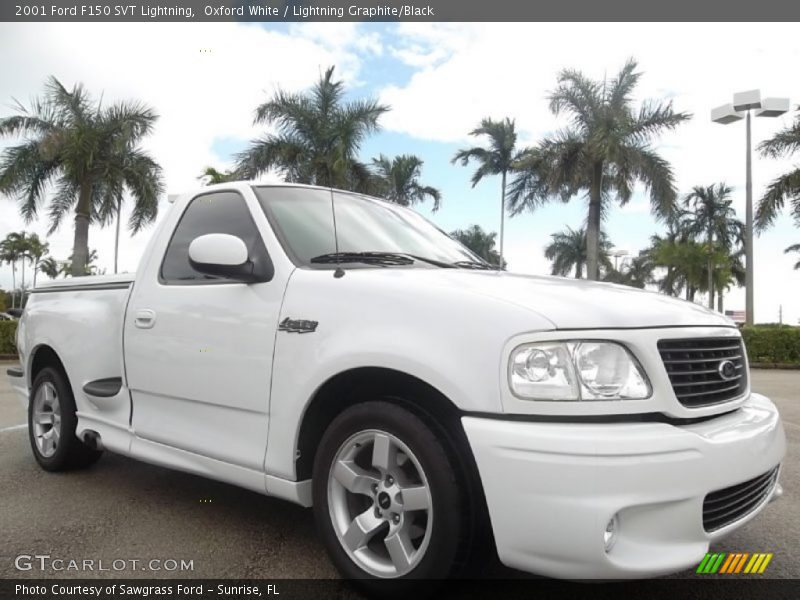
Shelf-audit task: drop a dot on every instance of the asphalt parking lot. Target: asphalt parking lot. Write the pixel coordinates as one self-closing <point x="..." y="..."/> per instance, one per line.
<point x="123" y="509"/>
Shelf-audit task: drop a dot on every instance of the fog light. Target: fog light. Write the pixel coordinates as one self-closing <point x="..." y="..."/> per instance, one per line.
<point x="610" y="534"/>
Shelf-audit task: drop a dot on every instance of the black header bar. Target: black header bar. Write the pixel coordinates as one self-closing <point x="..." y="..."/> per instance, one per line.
<point x="399" y="10"/>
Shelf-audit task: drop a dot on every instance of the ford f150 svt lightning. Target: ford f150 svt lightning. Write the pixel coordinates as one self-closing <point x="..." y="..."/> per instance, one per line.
<point x="343" y="353"/>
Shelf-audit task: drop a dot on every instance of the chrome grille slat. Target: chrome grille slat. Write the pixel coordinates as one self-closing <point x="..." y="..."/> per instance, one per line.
<point x="694" y="360"/>
<point x="692" y="365"/>
<point x="715" y="349"/>
<point x="699" y="372"/>
<point x="708" y="392"/>
<point x="703" y="382"/>
<point x="728" y="505"/>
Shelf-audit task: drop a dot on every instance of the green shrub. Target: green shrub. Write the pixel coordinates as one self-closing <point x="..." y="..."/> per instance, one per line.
<point x="772" y="344"/>
<point x="8" y="333"/>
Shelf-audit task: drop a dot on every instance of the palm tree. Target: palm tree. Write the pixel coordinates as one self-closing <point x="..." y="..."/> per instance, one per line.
<point x="211" y="176"/>
<point x="317" y="136"/>
<point x="687" y="262"/>
<point x="639" y="270"/>
<point x="10" y="252"/>
<point x="89" y="153"/>
<point x="636" y="272"/>
<point x="604" y="151"/>
<point x="785" y="187"/>
<point x="68" y="266"/>
<point x="50" y="267"/>
<point x="710" y="215"/>
<point x="794" y="248"/>
<point x="397" y="180"/>
<point x="480" y="242"/>
<point x="35" y="251"/>
<point x="568" y="251"/>
<point x="497" y="159"/>
<point x="673" y="281"/>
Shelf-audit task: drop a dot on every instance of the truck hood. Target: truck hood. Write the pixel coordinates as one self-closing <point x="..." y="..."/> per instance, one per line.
<point x="568" y="303"/>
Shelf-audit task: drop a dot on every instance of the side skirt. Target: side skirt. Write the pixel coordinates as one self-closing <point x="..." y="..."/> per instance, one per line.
<point x="122" y="440"/>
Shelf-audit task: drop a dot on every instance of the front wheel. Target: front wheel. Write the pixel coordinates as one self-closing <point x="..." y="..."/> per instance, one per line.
<point x="388" y="499"/>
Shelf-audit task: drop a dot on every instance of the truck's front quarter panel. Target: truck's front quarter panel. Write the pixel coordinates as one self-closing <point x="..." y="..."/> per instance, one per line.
<point x="448" y="340"/>
<point x="624" y="488"/>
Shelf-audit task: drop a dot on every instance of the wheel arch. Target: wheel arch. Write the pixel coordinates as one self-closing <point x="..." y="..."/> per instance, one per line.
<point x="356" y="385"/>
<point x="43" y="356"/>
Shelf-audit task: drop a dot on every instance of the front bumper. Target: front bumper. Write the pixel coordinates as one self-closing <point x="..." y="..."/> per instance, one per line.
<point x="551" y="488"/>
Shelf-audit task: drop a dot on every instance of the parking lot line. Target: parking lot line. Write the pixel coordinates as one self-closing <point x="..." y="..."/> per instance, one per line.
<point x="14" y="427"/>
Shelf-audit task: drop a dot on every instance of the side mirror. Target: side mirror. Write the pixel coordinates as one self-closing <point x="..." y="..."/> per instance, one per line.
<point x="221" y="255"/>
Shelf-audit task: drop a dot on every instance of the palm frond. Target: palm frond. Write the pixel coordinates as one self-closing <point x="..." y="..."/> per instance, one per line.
<point x="785" y="187"/>
<point x="783" y="143"/>
<point x="654" y="118"/>
<point x="578" y="95"/>
<point x="620" y="90"/>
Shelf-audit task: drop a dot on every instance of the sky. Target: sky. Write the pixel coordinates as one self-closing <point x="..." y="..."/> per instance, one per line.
<point x="206" y="79"/>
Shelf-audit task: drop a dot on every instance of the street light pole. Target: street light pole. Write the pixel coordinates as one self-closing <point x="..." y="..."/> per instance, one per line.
<point x="748" y="233"/>
<point x="743" y="104"/>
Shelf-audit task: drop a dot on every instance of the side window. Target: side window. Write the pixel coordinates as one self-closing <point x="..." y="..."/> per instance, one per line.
<point x="217" y="212"/>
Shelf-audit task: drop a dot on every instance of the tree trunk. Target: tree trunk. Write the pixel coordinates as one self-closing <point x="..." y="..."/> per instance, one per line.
<point x="35" y="269"/>
<point x="578" y="269"/>
<point x="720" y="302"/>
<point x="116" y="238"/>
<point x="80" y="247"/>
<point x="593" y="224"/>
<point x="710" y="268"/>
<point x="13" y="284"/>
<point x="502" y="217"/>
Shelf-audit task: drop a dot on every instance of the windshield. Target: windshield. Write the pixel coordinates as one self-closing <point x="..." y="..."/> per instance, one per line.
<point x="303" y="220"/>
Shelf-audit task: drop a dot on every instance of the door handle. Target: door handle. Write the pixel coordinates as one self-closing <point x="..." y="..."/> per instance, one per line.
<point x="145" y="318"/>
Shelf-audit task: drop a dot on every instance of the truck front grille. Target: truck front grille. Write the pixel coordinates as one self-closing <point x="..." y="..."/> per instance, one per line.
<point x="705" y="371"/>
<point x="728" y="505"/>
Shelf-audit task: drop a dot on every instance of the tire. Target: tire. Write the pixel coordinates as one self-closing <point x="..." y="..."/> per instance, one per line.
<point x="374" y="462"/>
<point x="52" y="422"/>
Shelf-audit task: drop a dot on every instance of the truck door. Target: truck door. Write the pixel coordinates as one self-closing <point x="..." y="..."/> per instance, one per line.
<point x="198" y="348"/>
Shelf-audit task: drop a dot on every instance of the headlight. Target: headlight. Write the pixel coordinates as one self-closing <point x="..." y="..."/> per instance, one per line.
<point x="576" y="370"/>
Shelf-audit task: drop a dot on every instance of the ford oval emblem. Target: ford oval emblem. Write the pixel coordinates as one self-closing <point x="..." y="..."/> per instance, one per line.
<point x="727" y="370"/>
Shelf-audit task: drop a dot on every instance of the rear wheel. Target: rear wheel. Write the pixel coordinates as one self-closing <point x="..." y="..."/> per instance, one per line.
<point x="388" y="499"/>
<point x="52" y="422"/>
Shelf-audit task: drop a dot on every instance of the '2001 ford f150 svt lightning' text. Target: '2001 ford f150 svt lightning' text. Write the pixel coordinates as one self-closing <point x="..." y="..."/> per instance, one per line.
<point x="343" y="353"/>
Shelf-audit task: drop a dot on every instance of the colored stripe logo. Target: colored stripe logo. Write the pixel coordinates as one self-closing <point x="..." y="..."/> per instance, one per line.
<point x="733" y="563"/>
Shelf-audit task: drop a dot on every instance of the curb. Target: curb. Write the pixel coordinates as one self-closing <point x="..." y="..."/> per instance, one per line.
<point x="776" y="366"/>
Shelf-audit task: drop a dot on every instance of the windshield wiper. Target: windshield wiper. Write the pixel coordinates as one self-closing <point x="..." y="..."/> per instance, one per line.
<point x="474" y="264"/>
<point x="373" y="258"/>
<point x="394" y="259"/>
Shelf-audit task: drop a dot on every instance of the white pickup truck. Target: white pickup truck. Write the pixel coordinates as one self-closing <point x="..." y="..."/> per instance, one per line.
<point x="426" y="404"/>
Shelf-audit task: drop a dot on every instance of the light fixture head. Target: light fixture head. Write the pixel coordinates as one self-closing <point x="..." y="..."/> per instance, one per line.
<point x="773" y="107"/>
<point x="725" y="114"/>
<point x="747" y="100"/>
